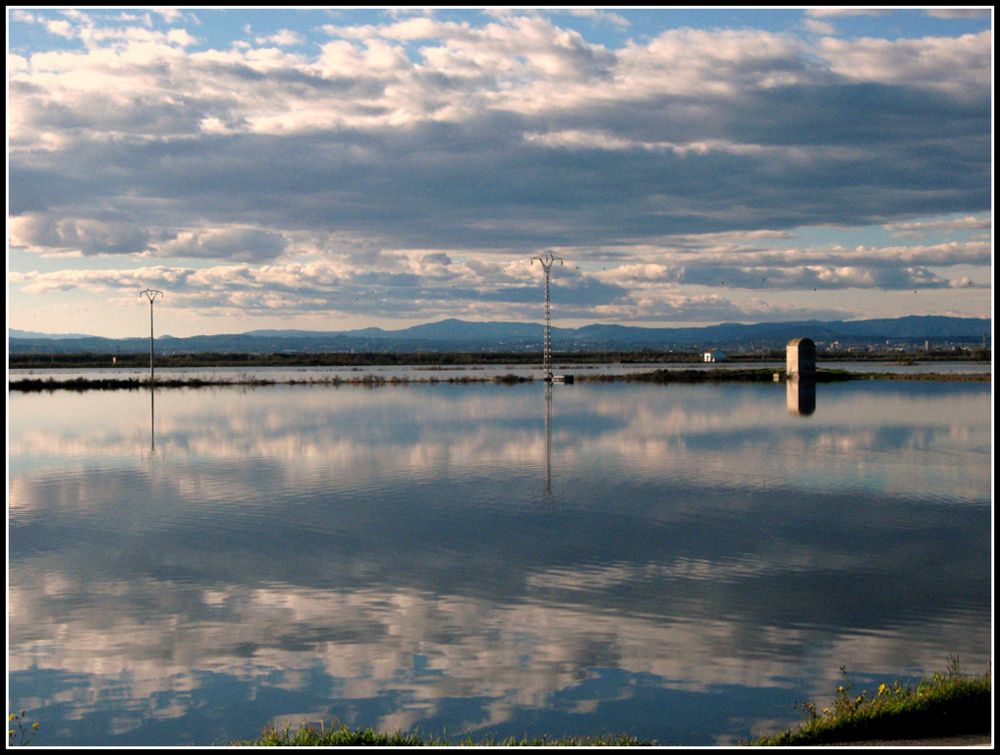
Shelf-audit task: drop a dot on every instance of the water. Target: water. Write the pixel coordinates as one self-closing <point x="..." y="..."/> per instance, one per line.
<point x="683" y="563"/>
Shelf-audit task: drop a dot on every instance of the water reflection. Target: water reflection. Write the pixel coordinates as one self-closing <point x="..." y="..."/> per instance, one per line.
<point x="800" y="396"/>
<point x="548" y="440"/>
<point x="380" y="557"/>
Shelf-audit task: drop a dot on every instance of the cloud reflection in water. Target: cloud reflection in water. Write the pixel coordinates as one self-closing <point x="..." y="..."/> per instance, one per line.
<point x="390" y="557"/>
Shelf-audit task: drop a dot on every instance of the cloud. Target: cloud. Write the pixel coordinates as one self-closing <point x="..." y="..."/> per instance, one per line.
<point x="839" y="12"/>
<point x="170" y="15"/>
<point x="819" y="27"/>
<point x="961" y="65"/>
<point x="81" y="235"/>
<point x="60" y="28"/>
<point x="958" y="12"/>
<point x="498" y="138"/>
<point x="281" y="38"/>
<point x="921" y="227"/>
<point x="692" y="280"/>
<point x="599" y="16"/>
<point x="240" y="244"/>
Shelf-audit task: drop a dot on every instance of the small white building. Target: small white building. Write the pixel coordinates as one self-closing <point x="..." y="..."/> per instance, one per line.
<point x="715" y="356"/>
<point x="800" y="359"/>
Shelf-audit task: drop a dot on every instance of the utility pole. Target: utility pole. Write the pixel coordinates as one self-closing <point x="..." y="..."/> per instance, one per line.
<point x="547" y="260"/>
<point x="151" y="294"/>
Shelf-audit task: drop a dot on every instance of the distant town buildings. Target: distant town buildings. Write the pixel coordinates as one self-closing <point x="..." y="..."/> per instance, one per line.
<point x="715" y="356"/>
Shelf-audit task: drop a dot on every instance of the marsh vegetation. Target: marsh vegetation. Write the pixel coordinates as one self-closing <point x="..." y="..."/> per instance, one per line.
<point x="945" y="705"/>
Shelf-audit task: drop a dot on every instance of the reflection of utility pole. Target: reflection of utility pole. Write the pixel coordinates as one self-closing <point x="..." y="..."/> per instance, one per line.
<point x="546" y="260"/>
<point x="548" y="439"/>
<point x="152" y="420"/>
<point x="151" y="294"/>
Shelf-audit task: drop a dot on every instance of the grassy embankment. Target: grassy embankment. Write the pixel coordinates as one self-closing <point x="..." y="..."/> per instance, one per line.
<point x="722" y="375"/>
<point x="949" y="704"/>
<point x="347" y="737"/>
<point x="251" y="381"/>
<point x="945" y="705"/>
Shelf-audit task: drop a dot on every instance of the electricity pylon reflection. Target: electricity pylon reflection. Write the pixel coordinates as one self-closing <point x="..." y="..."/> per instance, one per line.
<point x="548" y="441"/>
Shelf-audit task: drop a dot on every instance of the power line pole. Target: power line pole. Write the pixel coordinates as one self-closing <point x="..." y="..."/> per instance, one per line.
<point x="547" y="260"/>
<point x="151" y="294"/>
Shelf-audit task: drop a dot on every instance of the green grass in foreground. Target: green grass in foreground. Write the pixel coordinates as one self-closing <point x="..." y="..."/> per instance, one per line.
<point x="944" y="705"/>
<point x="347" y="737"/>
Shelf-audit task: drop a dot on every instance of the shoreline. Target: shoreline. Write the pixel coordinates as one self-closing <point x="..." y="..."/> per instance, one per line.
<point x="658" y="376"/>
<point x="32" y="361"/>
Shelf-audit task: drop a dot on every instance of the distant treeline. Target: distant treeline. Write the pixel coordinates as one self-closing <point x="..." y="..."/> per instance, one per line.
<point x="390" y="359"/>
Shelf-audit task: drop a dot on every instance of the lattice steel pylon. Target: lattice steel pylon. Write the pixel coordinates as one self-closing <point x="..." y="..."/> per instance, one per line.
<point x="547" y="260"/>
<point x="151" y="294"/>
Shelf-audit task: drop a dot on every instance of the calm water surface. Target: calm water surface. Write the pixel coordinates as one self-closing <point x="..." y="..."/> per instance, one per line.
<point x="683" y="563"/>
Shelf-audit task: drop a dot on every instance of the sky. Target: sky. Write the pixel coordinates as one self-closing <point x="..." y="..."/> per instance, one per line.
<point x="328" y="168"/>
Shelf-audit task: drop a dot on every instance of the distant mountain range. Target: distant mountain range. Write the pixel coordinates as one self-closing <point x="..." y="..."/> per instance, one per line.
<point x="461" y="335"/>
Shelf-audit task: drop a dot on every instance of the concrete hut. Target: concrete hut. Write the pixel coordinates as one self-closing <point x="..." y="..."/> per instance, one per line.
<point x="800" y="359"/>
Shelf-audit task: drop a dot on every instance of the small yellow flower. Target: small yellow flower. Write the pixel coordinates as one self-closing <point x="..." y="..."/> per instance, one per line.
<point x="882" y="689"/>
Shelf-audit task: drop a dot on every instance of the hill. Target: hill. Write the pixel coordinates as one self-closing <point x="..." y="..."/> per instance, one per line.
<point x="461" y="335"/>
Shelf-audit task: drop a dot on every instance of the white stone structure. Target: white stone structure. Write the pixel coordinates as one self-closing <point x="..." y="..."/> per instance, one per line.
<point x="800" y="359"/>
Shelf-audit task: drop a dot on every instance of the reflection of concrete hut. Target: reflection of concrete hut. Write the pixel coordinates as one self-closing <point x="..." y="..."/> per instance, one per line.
<point x="801" y="397"/>
<point x="800" y="356"/>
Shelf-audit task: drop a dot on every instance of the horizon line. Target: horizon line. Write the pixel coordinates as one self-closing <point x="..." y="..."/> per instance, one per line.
<point x="43" y="334"/>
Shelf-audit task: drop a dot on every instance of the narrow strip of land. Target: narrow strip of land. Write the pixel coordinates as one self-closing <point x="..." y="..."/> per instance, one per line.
<point x="662" y="376"/>
<point x="89" y="360"/>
